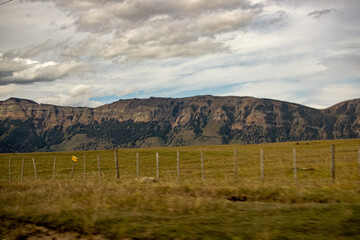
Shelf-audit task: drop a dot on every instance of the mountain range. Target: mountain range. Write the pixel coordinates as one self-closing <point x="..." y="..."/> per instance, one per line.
<point x="26" y="126"/>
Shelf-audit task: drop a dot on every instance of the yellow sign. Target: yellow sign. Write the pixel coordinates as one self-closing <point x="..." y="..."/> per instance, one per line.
<point x="74" y="158"/>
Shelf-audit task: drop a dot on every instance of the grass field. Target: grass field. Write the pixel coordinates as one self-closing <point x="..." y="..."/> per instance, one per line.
<point x="220" y="207"/>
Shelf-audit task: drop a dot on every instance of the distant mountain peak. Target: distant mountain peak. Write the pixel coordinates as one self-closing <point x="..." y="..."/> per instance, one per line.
<point x="19" y="100"/>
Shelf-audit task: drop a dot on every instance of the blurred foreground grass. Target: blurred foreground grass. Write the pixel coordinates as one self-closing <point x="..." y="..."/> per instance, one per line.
<point x="131" y="210"/>
<point x="218" y="208"/>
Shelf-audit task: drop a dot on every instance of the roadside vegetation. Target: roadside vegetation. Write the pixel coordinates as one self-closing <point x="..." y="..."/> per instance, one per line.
<point x="220" y="207"/>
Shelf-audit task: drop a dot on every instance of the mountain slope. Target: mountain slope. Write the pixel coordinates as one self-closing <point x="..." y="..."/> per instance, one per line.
<point x="26" y="126"/>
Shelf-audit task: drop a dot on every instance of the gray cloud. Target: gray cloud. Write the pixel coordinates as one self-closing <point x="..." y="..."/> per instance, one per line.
<point x="7" y="68"/>
<point x="319" y="13"/>
<point x="144" y="29"/>
<point x="160" y="51"/>
<point x="31" y="51"/>
<point x="26" y="71"/>
<point x="63" y="51"/>
<point x="129" y="15"/>
<point x="140" y="10"/>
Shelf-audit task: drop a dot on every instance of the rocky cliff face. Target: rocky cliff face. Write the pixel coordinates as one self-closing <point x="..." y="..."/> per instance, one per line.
<point x="27" y="126"/>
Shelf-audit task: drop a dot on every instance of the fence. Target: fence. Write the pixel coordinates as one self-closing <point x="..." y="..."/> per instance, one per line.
<point x="254" y="163"/>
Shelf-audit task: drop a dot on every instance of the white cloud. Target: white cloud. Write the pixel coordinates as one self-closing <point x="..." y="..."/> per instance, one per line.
<point x="66" y="94"/>
<point x="27" y="71"/>
<point x="66" y="100"/>
<point x="80" y="90"/>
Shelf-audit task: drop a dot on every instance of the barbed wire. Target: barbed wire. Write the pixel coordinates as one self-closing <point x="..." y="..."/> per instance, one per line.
<point x="6" y="2"/>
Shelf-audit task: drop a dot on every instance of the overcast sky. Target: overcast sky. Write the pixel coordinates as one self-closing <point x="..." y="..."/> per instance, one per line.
<point x="91" y="52"/>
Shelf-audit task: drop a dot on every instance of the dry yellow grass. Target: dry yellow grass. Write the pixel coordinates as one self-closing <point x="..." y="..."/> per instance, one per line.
<point x="217" y="208"/>
<point x="313" y="163"/>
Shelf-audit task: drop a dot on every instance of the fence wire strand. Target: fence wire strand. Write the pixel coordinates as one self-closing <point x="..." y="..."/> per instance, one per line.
<point x="218" y="164"/>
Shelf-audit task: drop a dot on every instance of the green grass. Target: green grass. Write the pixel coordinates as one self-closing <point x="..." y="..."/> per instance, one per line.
<point x="218" y="162"/>
<point x="314" y="208"/>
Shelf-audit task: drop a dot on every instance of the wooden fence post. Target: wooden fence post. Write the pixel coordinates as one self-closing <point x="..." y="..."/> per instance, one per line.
<point x="262" y="164"/>
<point x="202" y="166"/>
<point x="137" y="165"/>
<point x="84" y="166"/>
<point x="22" y="169"/>
<point x="178" y="165"/>
<point x="10" y="177"/>
<point x="54" y="167"/>
<point x="157" y="167"/>
<point x="117" y="164"/>
<point x="36" y="177"/>
<point x="99" y="167"/>
<point x="359" y="162"/>
<point x="332" y="162"/>
<point x="72" y="170"/>
<point x="295" y="166"/>
<point x="235" y="165"/>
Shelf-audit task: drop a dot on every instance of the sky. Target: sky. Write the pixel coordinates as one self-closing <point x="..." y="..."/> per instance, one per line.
<point x="93" y="52"/>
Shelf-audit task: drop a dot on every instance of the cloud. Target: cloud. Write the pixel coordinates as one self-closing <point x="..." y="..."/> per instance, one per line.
<point x="94" y="20"/>
<point x="283" y="89"/>
<point x="27" y="71"/>
<point x="84" y="49"/>
<point x="7" y="90"/>
<point x="141" y="29"/>
<point x="319" y="13"/>
<point x="33" y="50"/>
<point x="137" y="52"/>
<point x="66" y="94"/>
<point x="142" y="10"/>
<point x="338" y="92"/>
<point x="63" y="99"/>
<point x="80" y="90"/>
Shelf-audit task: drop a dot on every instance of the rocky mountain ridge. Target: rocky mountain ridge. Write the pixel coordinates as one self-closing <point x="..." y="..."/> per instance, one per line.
<point x="27" y="126"/>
